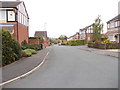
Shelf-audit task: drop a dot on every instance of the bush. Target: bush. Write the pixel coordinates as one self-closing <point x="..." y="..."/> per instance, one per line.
<point x="75" y="42"/>
<point x="26" y="45"/>
<point x="11" y="50"/>
<point x="104" y="45"/>
<point x="107" y="41"/>
<point x="28" y="52"/>
<point x="37" y="38"/>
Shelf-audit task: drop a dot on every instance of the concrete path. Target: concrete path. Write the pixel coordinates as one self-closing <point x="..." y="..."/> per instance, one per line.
<point x="70" y="67"/>
<point x="23" y="65"/>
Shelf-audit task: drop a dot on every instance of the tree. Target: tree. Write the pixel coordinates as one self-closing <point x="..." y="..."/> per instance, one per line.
<point x="97" y="29"/>
<point x="63" y="37"/>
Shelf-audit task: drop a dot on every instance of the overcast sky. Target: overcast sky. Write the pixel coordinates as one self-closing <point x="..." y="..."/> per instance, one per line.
<point x="66" y="17"/>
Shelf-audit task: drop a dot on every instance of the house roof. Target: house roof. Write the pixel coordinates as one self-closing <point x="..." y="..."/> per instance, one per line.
<point x="6" y="4"/>
<point x="85" y="28"/>
<point x="12" y="4"/>
<point x="74" y="35"/>
<point x="114" y="19"/>
<point x="41" y="33"/>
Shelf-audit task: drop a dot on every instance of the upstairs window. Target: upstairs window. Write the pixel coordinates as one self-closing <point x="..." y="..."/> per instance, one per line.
<point x="116" y="24"/>
<point x="108" y="25"/>
<point x="112" y="24"/>
<point x="11" y="16"/>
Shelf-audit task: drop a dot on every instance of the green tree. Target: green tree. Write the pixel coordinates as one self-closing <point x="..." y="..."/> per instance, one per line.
<point x="63" y="37"/>
<point x="97" y="29"/>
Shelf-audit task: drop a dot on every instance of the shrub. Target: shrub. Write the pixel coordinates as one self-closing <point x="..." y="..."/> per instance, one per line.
<point x="37" y="38"/>
<point x="30" y="50"/>
<point x="75" y="42"/>
<point x="33" y="46"/>
<point x="104" y="45"/>
<point x="11" y="50"/>
<point x="90" y="41"/>
<point x="107" y="41"/>
<point x="25" y="45"/>
<point x="26" y="54"/>
<point x="23" y="53"/>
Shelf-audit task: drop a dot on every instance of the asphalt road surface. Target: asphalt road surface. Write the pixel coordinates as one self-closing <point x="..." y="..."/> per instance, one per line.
<point x="70" y="67"/>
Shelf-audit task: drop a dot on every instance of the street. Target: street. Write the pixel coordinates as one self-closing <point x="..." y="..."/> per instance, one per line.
<point x="70" y="67"/>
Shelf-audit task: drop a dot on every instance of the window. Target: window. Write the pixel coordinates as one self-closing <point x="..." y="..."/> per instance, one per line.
<point x="8" y="27"/>
<point x="108" y="25"/>
<point x="2" y="16"/>
<point x="116" y="24"/>
<point x="11" y="16"/>
<point x="112" y="25"/>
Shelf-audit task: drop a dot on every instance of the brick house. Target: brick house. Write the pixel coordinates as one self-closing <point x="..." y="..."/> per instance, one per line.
<point x="113" y="29"/>
<point x="44" y="35"/>
<point x="14" y="17"/>
<point x="86" y="33"/>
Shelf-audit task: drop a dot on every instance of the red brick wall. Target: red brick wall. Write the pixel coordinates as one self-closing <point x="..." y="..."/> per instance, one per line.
<point x="46" y="42"/>
<point x="34" y="41"/>
<point x="22" y="33"/>
<point x="15" y="32"/>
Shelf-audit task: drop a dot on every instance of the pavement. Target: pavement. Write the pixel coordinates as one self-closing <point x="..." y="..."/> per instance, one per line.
<point x="70" y="67"/>
<point x="108" y="52"/>
<point x="23" y="66"/>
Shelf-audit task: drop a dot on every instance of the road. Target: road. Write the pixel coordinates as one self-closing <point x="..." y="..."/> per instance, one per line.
<point x="70" y="67"/>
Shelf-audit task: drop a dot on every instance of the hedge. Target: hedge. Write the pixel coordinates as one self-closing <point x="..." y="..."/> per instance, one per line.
<point x="26" y="45"/>
<point x="75" y="42"/>
<point x="104" y="46"/>
<point x="37" y="38"/>
<point x="11" y="50"/>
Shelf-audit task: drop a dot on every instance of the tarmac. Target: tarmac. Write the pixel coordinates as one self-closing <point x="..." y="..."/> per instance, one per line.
<point x="23" y="65"/>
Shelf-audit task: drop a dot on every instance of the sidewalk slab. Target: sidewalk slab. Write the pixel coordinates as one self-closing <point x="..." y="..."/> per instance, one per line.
<point x="23" y="65"/>
<point x="108" y="52"/>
